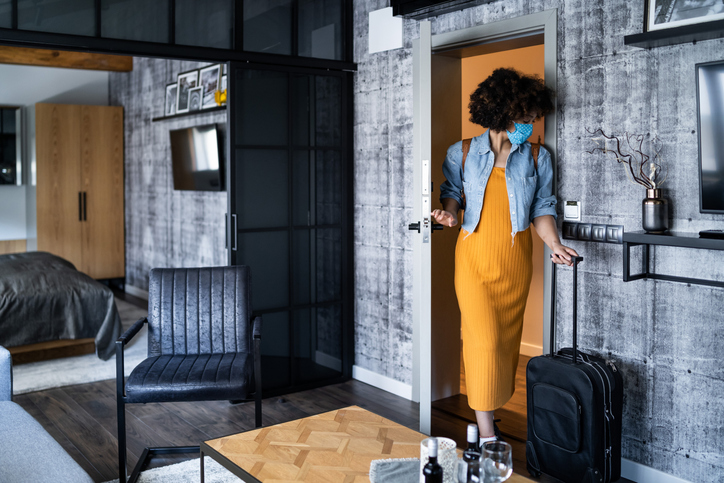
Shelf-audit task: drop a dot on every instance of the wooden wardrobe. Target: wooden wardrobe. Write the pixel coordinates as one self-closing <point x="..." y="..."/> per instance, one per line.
<point x="79" y="151"/>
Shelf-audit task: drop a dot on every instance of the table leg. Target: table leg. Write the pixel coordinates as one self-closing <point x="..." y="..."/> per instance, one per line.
<point x="202" y="466"/>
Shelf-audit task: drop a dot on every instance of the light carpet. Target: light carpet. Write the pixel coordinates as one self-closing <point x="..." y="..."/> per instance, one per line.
<point x="68" y="371"/>
<point x="188" y="472"/>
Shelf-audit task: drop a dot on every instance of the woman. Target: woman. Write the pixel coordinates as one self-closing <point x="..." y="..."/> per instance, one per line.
<point x="504" y="191"/>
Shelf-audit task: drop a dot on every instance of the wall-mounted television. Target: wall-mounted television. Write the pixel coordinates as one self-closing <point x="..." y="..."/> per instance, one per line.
<point x="710" y="104"/>
<point x="196" y="156"/>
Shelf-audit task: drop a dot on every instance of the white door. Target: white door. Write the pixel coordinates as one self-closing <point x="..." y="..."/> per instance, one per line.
<point x="421" y="225"/>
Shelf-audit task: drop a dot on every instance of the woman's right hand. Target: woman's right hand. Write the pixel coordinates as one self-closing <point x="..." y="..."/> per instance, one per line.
<point x="445" y="217"/>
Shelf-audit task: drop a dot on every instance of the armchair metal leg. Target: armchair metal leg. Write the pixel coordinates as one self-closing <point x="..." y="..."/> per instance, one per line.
<point x="257" y="379"/>
<point x="257" y="407"/>
<point x="121" y="409"/>
<point x="149" y="453"/>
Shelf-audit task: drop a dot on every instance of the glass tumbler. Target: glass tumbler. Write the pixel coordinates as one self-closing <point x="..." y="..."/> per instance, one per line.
<point x="497" y="459"/>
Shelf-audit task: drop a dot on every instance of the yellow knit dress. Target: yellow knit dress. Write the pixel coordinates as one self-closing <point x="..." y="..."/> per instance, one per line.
<point x="492" y="280"/>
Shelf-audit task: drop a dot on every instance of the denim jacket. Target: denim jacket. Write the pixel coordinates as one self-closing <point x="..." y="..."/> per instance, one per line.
<point x="529" y="192"/>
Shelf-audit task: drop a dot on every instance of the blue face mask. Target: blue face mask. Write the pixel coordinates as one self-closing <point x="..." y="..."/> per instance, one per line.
<point x="521" y="133"/>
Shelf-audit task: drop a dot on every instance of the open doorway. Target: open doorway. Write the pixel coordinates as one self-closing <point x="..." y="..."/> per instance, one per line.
<point x="447" y="67"/>
<point x="455" y="75"/>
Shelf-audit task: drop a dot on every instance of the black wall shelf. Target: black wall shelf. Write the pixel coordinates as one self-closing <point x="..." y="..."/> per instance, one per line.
<point x="669" y="239"/>
<point x="190" y="113"/>
<point x="678" y="35"/>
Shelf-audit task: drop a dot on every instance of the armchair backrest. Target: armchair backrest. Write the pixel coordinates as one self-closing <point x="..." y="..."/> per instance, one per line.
<point x="199" y="310"/>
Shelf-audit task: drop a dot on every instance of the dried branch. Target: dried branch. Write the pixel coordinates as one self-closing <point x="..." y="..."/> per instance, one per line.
<point x="629" y="151"/>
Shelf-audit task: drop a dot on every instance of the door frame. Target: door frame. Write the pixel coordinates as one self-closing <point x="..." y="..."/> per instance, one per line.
<point x="545" y="23"/>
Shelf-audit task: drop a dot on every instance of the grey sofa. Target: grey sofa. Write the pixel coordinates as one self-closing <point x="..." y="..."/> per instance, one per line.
<point x="27" y="452"/>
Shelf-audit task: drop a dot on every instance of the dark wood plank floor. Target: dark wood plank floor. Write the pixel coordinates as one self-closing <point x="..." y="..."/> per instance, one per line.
<point x="82" y="419"/>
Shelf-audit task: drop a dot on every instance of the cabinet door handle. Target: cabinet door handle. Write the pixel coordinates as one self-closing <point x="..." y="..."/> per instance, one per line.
<point x="85" y="205"/>
<point x="80" y="206"/>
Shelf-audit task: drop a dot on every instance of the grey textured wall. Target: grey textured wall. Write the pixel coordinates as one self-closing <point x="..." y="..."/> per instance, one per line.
<point x="666" y="337"/>
<point x="164" y="228"/>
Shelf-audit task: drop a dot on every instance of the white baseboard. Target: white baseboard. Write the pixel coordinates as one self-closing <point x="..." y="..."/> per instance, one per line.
<point x="382" y="382"/>
<point x="136" y="292"/>
<point x="531" y="350"/>
<point x="645" y="474"/>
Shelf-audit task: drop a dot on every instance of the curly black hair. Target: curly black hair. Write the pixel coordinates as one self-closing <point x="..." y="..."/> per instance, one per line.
<point x="508" y="95"/>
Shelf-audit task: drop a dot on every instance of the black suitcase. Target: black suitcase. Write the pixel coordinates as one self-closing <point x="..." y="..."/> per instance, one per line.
<point x="575" y="403"/>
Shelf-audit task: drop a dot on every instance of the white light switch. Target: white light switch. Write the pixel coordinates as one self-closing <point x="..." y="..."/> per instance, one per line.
<point x="572" y="211"/>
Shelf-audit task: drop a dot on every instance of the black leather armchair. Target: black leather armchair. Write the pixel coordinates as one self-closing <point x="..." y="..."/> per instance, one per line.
<point x="202" y="346"/>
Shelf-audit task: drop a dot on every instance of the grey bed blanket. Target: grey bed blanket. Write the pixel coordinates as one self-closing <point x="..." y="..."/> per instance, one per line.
<point x="43" y="298"/>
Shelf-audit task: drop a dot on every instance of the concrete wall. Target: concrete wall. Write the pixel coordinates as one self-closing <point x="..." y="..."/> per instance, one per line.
<point x="164" y="227"/>
<point x="665" y="336"/>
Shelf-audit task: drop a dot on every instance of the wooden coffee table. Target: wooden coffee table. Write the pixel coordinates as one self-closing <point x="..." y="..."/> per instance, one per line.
<point x="334" y="447"/>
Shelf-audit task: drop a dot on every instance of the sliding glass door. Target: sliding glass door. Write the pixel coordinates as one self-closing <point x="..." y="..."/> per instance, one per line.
<point x="288" y="203"/>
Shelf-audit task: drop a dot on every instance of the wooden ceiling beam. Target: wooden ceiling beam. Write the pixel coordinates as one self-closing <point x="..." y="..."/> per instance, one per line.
<point x="65" y="59"/>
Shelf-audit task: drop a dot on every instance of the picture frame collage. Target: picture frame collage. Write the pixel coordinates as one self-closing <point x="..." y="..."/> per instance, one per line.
<point x="196" y="90"/>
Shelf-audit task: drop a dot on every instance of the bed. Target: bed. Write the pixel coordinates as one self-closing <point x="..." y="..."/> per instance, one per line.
<point x="44" y="298"/>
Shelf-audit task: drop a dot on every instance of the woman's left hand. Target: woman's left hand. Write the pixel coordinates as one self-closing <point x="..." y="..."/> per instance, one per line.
<point x="562" y="254"/>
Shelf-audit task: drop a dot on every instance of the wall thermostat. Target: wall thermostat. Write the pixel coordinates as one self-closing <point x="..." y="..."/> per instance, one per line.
<point x="572" y="211"/>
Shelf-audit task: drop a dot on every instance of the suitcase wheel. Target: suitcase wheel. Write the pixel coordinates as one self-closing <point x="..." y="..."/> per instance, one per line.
<point x="533" y="472"/>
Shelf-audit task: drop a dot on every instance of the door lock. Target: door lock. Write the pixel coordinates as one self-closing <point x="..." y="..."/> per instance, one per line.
<point x="416" y="226"/>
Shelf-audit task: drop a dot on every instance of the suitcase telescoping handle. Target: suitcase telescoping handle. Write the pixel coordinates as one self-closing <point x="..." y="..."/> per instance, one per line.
<point x="576" y="261"/>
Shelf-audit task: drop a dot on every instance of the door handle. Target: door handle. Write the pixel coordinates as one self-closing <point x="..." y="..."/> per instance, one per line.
<point x="85" y="207"/>
<point x="80" y="206"/>
<point x="416" y="226"/>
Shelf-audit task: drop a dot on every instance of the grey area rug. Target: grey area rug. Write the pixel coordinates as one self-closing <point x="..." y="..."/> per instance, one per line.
<point x="68" y="371"/>
<point x="188" y="472"/>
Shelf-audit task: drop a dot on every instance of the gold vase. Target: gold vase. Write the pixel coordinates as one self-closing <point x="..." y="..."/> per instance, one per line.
<point x="655" y="212"/>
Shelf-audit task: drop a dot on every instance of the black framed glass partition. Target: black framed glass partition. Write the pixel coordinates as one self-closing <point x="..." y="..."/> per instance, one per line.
<point x="288" y="148"/>
<point x="312" y="29"/>
<point x="288" y="198"/>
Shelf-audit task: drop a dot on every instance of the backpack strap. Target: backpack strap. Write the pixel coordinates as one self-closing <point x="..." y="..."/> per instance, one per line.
<point x="466" y="149"/>
<point x="535" y="149"/>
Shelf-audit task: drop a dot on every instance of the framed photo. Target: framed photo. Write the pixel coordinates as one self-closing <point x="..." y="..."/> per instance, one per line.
<point x="665" y="14"/>
<point x="210" y="78"/>
<point x="186" y="82"/>
<point x="170" y="107"/>
<point x="195" y="98"/>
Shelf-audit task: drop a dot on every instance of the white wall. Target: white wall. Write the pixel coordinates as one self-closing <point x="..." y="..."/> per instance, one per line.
<point x="12" y="213"/>
<point x="22" y="85"/>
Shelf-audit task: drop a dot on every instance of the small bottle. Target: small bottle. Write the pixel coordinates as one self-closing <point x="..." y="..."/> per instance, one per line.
<point x="471" y="456"/>
<point x="472" y="443"/>
<point x="432" y="471"/>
